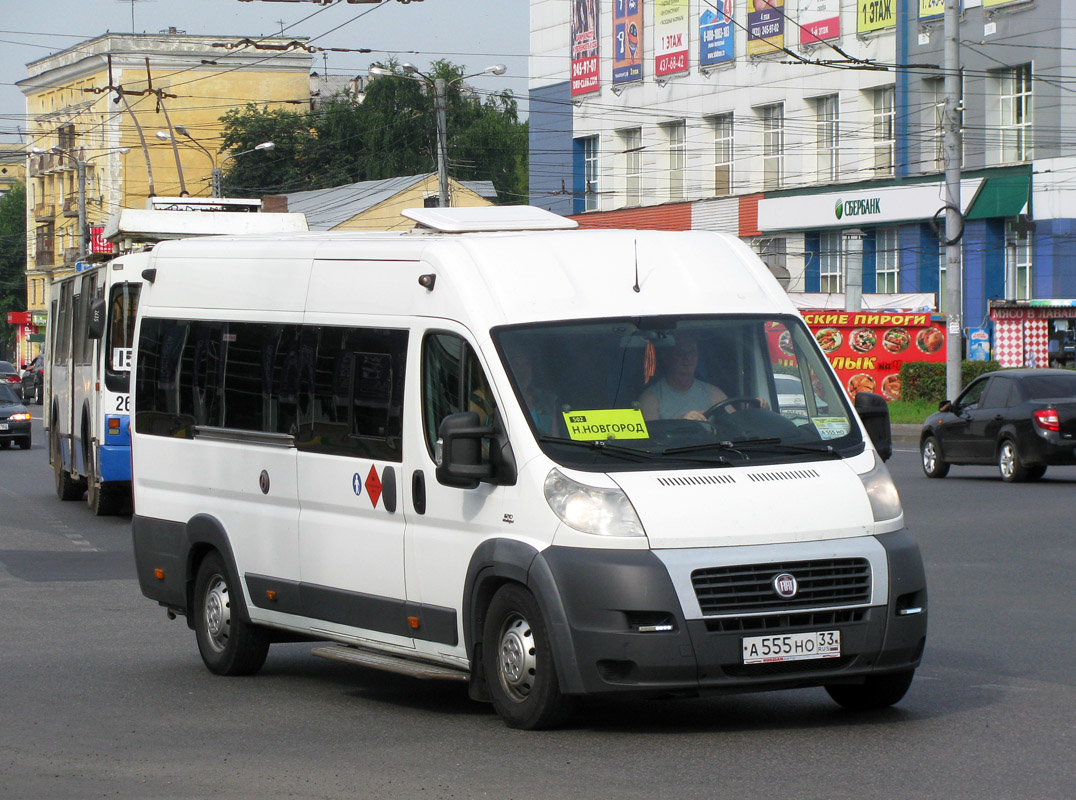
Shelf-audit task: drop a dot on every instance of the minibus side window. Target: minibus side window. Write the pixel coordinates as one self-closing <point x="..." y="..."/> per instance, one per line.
<point x="355" y="380"/>
<point x="452" y="381"/>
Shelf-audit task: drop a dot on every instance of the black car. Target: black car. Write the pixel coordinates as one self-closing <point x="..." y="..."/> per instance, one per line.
<point x="9" y="376"/>
<point x="14" y="419"/>
<point x="1023" y="420"/>
<point x="33" y="380"/>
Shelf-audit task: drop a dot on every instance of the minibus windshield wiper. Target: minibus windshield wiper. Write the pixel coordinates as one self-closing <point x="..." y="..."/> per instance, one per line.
<point x="601" y="446"/>
<point x="747" y="444"/>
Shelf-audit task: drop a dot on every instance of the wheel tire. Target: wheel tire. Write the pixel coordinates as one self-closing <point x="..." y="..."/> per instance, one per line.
<point x="228" y="645"/>
<point x="933" y="464"/>
<point x="518" y="662"/>
<point x="67" y="488"/>
<point x="1035" y="473"/>
<point x="878" y="691"/>
<point x="1012" y="471"/>
<point x="5" y="444"/>
<point x="25" y="442"/>
<point x="103" y="501"/>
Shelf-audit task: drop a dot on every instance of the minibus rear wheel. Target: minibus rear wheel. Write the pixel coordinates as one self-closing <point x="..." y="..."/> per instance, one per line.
<point x="229" y="646"/>
<point x="518" y="662"/>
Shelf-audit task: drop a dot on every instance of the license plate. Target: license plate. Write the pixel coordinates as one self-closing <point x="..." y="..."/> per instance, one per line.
<point x="791" y="647"/>
<point x="3" y="426"/>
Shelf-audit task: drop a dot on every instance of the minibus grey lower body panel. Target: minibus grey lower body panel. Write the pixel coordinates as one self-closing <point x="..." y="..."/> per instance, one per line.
<point x="628" y="631"/>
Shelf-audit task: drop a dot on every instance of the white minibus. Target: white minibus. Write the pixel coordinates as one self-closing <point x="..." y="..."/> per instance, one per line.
<point x="494" y="449"/>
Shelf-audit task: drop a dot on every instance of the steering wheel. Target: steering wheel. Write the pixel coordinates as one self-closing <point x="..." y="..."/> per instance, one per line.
<point x="741" y="400"/>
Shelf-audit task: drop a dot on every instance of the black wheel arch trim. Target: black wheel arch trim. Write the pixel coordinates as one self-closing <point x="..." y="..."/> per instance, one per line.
<point x="499" y="561"/>
<point x="205" y="531"/>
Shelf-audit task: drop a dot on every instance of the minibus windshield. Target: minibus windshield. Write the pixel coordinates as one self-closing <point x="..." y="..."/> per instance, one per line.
<point x="652" y="392"/>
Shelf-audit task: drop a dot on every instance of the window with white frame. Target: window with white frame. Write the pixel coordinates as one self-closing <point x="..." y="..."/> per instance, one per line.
<point x="722" y="125"/>
<point x="886" y="261"/>
<point x="590" y="173"/>
<point x="632" y="140"/>
<point x="773" y="145"/>
<point x="884" y="133"/>
<point x="676" y="140"/>
<point x="827" y="135"/>
<point x="1015" y="107"/>
<point x="831" y="262"/>
<point x="1018" y="265"/>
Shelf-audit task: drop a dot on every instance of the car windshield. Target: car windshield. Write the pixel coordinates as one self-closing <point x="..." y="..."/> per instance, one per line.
<point x="1042" y="387"/>
<point x="656" y="392"/>
<point x="8" y="396"/>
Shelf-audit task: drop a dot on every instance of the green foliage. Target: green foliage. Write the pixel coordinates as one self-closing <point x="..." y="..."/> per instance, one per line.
<point x="925" y="381"/>
<point x="12" y="260"/>
<point x="392" y="133"/>
<point x="910" y="412"/>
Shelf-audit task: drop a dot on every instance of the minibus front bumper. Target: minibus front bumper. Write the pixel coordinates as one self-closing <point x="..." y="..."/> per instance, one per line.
<point x="619" y="626"/>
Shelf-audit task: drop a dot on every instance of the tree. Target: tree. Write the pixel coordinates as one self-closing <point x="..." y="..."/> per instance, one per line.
<point x="12" y="260"/>
<point x="392" y="132"/>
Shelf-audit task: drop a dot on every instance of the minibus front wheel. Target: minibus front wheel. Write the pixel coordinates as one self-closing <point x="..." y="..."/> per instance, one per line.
<point x="229" y="646"/>
<point x="518" y="662"/>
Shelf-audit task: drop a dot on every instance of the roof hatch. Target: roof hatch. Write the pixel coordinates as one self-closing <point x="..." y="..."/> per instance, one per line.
<point x="489" y="218"/>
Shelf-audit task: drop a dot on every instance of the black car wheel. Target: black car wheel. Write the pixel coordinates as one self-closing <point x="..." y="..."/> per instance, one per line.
<point x="1036" y="472"/>
<point x="24" y="442"/>
<point x="877" y="691"/>
<point x="229" y="646"/>
<point x="1012" y="471"/>
<point x="933" y="464"/>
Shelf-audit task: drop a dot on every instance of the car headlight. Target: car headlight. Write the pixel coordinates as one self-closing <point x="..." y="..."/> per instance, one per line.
<point x="885" y="501"/>
<point x="603" y="512"/>
<point x="19" y="417"/>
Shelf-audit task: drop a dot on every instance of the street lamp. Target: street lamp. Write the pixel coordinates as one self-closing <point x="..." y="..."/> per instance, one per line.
<point x="215" y="184"/>
<point x="440" y="87"/>
<point x="80" y="174"/>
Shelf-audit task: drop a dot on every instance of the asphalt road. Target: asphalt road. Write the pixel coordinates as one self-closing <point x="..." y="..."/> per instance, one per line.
<point x="102" y="696"/>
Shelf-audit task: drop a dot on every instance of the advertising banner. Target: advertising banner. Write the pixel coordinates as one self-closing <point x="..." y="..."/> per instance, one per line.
<point x="873" y="15"/>
<point x="98" y="242"/>
<point x="584" y="47"/>
<point x="765" y="26"/>
<point x="627" y="41"/>
<point x="996" y="3"/>
<point x="818" y="20"/>
<point x="929" y="9"/>
<point x="716" y="33"/>
<point x="671" y="37"/>
<point x="867" y="348"/>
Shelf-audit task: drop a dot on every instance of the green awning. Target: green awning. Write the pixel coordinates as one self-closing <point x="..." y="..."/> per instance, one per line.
<point x="1002" y="196"/>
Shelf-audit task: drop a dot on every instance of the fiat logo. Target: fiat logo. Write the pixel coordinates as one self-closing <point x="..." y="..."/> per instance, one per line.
<point x="785" y="585"/>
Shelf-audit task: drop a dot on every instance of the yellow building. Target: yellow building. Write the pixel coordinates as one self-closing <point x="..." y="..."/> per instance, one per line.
<point x="12" y="166"/>
<point x="376" y="205"/>
<point x="95" y="111"/>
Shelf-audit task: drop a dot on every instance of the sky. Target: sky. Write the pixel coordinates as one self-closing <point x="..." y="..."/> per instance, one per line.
<point x="472" y="33"/>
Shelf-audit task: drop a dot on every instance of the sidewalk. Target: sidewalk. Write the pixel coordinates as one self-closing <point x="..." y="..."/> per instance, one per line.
<point x="906" y="433"/>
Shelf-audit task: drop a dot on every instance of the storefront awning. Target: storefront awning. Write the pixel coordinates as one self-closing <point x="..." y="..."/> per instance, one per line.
<point x="1004" y="196"/>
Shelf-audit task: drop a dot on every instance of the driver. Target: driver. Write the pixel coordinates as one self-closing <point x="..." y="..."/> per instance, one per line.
<point x="679" y="394"/>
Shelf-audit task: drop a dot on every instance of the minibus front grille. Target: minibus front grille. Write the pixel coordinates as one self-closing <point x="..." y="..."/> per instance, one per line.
<point x="749" y="588"/>
<point x="786" y="623"/>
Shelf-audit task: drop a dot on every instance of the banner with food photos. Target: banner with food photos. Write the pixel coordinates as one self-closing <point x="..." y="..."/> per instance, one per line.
<point x="868" y="348"/>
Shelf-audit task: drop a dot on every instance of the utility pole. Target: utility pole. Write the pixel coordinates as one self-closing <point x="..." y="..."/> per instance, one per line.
<point x="954" y="220"/>
<point x="439" y="100"/>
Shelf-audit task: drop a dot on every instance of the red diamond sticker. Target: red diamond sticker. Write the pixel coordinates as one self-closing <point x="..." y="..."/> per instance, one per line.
<point x="373" y="486"/>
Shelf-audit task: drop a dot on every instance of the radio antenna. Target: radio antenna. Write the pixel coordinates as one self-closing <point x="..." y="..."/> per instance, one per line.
<point x="636" y="286"/>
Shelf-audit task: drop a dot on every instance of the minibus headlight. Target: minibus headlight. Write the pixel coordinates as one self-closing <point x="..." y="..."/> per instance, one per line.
<point x="885" y="502"/>
<point x="603" y="512"/>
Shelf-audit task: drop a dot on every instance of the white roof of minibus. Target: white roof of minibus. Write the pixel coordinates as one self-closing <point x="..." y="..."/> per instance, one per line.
<point x="493" y="278"/>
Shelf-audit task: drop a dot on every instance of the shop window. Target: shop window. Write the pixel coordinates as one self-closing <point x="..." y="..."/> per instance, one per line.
<point x="676" y="141"/>
<point x="723" y="151"/>
<point x="883" y="128"/>
<point x="831" y="262"/>
<point x="827" y="137"/>
<point x="1013" y="88"/>
<point x="886" y="261"/>
<point x="632" y="143"/>
<point x="773" y="145"/>
<point x="590" y="174"/>
<point x="1018" y="248"/>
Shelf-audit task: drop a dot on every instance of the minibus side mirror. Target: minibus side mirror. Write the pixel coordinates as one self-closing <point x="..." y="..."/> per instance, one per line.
<point x="96" y="322"/>
<point x="460" y="462"/>
<point x="874" y="411"/>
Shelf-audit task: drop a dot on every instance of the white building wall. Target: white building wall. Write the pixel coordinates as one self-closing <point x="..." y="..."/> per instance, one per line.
<point x="742" y="87"/>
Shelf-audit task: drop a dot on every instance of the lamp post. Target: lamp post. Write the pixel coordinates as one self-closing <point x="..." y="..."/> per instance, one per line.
<point x="80" y="176"/>
<point x="440" y="89"/>
<point x="216" y="185"/>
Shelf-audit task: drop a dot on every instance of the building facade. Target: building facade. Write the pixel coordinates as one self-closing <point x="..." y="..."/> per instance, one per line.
<point x="95" y="111"/>
<point x="813" y="129"/>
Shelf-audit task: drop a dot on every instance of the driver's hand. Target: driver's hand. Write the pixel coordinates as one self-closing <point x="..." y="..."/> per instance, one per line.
<point x="694" y="415"/>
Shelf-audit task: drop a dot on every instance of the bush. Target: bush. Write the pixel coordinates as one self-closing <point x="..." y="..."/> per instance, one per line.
<point x="926" y="381"/>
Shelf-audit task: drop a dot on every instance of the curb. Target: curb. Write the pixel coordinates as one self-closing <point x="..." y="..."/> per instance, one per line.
<point x="906" y="434"/>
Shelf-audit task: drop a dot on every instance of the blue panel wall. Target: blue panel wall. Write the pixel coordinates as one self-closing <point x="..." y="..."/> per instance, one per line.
<point x="551" y="171"/>
<point x="812" y="274"/>
<point x="908" y="244"/>
<point x="926" y="256"/>
<point x="870" y="261"/>
<point x="1054" y="265"/>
